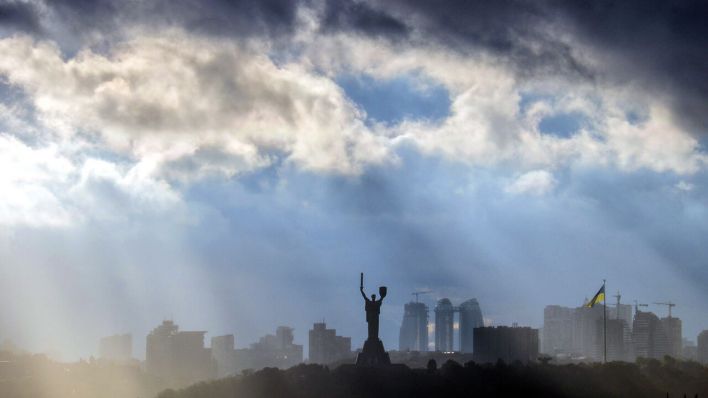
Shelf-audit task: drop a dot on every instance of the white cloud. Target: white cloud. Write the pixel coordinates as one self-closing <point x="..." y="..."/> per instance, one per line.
<point x="658" y="144"/>
<point x="25" y="182"/>
<point x="43" y="187"/>
<point x="191" y="107"/>
<point x="684" y="186"/>
<point x="172" y="97"/>
<point x="106" y="191"/>
<point x="180" y="107"/>
<point x="487" y="127"/>
<point x="537" y="182"/>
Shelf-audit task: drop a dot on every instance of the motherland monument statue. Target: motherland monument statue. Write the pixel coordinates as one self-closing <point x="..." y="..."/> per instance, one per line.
<point x="373" y="353"/>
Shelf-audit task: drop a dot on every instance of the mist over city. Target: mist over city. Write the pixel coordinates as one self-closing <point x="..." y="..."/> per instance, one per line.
<point x="193" y="191"/>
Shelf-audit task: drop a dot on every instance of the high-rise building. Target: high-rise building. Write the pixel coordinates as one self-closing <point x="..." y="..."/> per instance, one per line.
<point x="618" y="343"/>
<point x="414" y="328"/>
<point x="506" y="343"/>
<point x="158" y="350"/>
<point x="673" y="329"/>
<point x="117" y="348"/>
<point x="178" y="357"/>
<point x="326" y="347"/>
<point x="585" y="338"/>
<point x="624" y="312"/>
<point x="702" y="351"/>
<point x="649" y="337"/>
<point x="223" y="352"/>
<point x="444" y="325"/>
<point x="192" y="360"/>
<point x="558" y="330"/>
<point x="470" y="318"/>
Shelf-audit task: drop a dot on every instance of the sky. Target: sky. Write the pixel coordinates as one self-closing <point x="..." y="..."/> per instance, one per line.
<point x="234" y="165"/>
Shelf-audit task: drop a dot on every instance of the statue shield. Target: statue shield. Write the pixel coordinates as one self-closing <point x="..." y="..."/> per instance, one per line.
<point x="382" y="291"/>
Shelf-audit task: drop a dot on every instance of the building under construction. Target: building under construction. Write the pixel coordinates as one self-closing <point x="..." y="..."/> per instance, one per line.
<point x="414" y="328"/>
<point x="470" y="318"/>
<point x="444" y="325"/>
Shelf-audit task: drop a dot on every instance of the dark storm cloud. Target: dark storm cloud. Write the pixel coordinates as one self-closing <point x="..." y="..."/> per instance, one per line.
<point x="359" y="16"/>
<point x="228" y="17"/>
<point x="20" y="16"/>
<point x="72" y="20"/>
<point x="512" y="29"/>
<point x="658" y="45"/>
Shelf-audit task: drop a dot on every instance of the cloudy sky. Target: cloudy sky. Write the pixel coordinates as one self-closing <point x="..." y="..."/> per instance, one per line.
<point x="234" y="165"/>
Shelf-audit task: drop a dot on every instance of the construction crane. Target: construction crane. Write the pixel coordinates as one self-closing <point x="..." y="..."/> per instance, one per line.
<point x="668" y="304"/>
<point x="418" y="293"/>
<point x="618" y="296"/>
<point x="636" y="306"/>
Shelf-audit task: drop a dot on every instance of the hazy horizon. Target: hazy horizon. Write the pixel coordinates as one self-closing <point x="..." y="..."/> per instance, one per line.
<point x="234" y="165"/>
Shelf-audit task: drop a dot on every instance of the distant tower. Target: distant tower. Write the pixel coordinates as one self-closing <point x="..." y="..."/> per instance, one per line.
<point x="703" y="347"/>
<point x="414" y="328"/>
<point x="673" y="329"/>
<point x="444" y="319"/>
<point x="470" y="318"/>
<point x="649" y="337"/>
<point x="558" y="327"/>
<point x="159" y="350"/>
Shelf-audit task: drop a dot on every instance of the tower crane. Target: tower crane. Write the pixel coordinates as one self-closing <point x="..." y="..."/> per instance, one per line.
<point x="618" y="296"/>
<point x="418" y="293"/>
<point x="668" y="304"/>
<point x="637" y="305"/>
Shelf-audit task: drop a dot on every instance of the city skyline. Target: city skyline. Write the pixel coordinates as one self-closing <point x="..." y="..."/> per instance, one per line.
<point x="568" y="335"/>
<point x="180" y="358"/>
<point x="392" y="337"/>
<point x="456" y="332"/>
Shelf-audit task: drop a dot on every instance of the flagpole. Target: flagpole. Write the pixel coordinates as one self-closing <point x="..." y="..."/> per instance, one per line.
<point x="604" y="317"/>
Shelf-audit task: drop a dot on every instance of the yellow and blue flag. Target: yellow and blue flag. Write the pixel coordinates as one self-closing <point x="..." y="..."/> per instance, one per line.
<point x="599" y="296"/>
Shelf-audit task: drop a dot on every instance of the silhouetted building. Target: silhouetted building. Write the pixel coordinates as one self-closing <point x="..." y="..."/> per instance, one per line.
<point x="689" y="351"/>
<point x="470" y="318"/>
<point x="702" y="350"/>
<point x="444" y="325"/>
<point x="625" y="313"/>
<point x="672" y="328"/>
<point x="585" y="338"/>
<point x="558" y="325"/>
<point x="506" y="343"/>
<point x="619" y="346"/>
<point x="271" y="351"/>
<point x="414" y="328"/>
<point x="326" y="347"/>
<point x="118" y="348"/>
<point x="223" y="353"/>
<point x="158" y="350"/>
<point x="648" y="336"/>
<point x="178" y="357"/>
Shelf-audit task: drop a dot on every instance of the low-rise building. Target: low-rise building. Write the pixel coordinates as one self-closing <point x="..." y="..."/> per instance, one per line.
<point x="505" y="343"/>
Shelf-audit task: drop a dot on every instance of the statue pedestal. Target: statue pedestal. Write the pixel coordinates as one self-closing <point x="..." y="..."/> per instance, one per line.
<point x="373" y="354"/>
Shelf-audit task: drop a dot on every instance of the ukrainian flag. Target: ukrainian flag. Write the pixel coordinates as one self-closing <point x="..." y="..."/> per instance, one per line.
<point x="599" y="296"/>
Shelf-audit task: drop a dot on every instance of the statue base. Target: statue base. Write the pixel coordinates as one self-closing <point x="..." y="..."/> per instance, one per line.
<point x="373" y="354"/>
